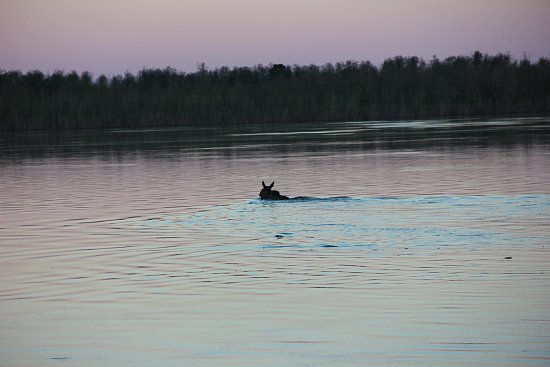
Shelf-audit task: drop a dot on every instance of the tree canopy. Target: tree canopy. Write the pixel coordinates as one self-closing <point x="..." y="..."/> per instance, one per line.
<point x="401" y="87"/>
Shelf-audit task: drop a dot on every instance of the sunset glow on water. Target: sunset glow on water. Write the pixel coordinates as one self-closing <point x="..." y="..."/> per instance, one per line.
<point x="425" y="245"/>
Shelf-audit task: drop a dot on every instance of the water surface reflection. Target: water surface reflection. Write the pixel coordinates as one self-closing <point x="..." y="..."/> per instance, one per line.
<point x="420" y="243"/>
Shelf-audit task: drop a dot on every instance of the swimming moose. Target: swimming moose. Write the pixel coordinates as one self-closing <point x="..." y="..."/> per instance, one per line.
<point x="268" y="194"/>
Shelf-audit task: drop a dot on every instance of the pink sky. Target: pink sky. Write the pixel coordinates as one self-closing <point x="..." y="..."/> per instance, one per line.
<point x="114" y="36"/>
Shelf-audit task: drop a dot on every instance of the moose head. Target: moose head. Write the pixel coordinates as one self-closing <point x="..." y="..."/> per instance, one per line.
<point x="268" y="194"/>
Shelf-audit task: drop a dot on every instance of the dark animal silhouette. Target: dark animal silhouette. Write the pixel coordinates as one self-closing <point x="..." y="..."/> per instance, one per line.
<point x="268" y="194"/>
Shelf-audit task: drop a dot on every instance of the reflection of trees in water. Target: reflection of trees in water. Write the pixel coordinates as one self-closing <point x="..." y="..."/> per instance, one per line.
<point x="401" y="87"/>
<point x="284" y="139"/>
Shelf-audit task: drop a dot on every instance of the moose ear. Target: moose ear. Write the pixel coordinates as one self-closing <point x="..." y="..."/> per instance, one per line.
<point x="273" y="183"/>
<point x="263" y="184"/>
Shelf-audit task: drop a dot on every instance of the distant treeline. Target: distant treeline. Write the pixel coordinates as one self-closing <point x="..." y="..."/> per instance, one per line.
<point x="402" y="87"/>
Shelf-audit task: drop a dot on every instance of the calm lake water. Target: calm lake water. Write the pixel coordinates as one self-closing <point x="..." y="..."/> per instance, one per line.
<point x="417" y="243"/>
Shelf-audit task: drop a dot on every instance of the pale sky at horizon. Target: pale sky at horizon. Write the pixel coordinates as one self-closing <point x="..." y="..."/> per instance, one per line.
<point x="113" y="37"/>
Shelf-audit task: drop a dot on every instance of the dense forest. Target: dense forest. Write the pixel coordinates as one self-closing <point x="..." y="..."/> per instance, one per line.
<point x="401" y="87"/>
